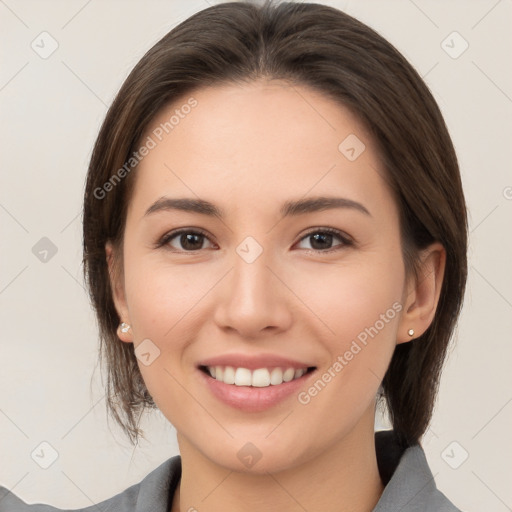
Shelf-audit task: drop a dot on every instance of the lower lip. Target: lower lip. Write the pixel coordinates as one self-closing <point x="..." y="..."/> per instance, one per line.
<point x="253" y="399"/>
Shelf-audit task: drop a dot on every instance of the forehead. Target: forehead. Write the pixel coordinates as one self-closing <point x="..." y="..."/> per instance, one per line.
<point x="255" y="112"/>
<point x="259" y="142"/>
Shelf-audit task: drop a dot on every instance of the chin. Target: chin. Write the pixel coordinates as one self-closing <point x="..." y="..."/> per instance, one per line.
<point x="259" y="456"/>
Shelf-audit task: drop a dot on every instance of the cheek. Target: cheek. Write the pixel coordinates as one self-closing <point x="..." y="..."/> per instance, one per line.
<point x="361" y="305"/>
<point x="162" y="297"/>
<point x="162" y="300"/>
<point x="352" y="296"/>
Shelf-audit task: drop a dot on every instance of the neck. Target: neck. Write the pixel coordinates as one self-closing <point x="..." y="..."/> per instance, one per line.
<point x="344" y="478"/>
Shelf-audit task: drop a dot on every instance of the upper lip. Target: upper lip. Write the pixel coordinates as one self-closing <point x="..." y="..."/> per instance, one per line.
<point x="253" y="362"/>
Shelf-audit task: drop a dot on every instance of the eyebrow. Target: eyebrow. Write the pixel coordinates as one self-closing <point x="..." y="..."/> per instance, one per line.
<point x="289" y="208"/>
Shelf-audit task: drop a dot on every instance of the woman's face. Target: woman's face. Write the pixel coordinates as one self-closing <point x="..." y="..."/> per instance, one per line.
<point x="267" y="284"/>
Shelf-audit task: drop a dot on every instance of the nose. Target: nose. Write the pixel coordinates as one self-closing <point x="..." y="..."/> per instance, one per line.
<point x="253" y="301"/>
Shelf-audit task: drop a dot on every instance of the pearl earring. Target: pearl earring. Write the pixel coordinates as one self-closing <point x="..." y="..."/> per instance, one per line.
<point x="410" y="332"/>
<point x="124" y="327"/>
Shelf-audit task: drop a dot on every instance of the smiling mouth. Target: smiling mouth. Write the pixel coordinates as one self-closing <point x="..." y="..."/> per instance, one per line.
<point x="259" y="378"/>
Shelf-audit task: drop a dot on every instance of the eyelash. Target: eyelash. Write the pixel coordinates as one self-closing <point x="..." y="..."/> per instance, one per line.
<point x="345" y="239"/>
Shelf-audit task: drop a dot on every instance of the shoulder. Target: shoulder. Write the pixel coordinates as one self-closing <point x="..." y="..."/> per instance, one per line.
<point x="153" y="493"/>
<point x="412" y="486"/>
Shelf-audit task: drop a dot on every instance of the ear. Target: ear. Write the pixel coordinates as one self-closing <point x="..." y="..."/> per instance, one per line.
<point x="118" y="292"/>
<point x="422" y="293"/>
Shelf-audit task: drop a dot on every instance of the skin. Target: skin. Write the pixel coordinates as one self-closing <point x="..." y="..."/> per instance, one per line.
<point x="248" y="148"/>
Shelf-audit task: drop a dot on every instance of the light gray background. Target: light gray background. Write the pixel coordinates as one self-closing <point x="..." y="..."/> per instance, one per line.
<point x="51" y="112"/>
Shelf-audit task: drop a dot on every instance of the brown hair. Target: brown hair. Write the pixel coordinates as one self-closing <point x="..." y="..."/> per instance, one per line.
<point x="323" y="48"/>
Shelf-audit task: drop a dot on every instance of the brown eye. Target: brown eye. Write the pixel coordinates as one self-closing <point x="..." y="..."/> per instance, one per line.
<point x="321" y="240"/>
<point x="185" y="240"/>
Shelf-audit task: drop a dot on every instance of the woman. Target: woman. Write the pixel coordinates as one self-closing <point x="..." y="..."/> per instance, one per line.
<point x="275" y="242"/>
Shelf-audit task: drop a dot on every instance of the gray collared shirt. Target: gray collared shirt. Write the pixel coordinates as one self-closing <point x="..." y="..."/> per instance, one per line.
<point x="409" y="486"/>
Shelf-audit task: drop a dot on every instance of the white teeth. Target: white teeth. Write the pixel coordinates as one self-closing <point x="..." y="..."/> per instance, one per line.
<point x="260" y="378"/>
<point x="276" y="376"/>
<point x="229" y="375"/>
<point x="243" y="377"/>
<point x="288" y="374"/>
